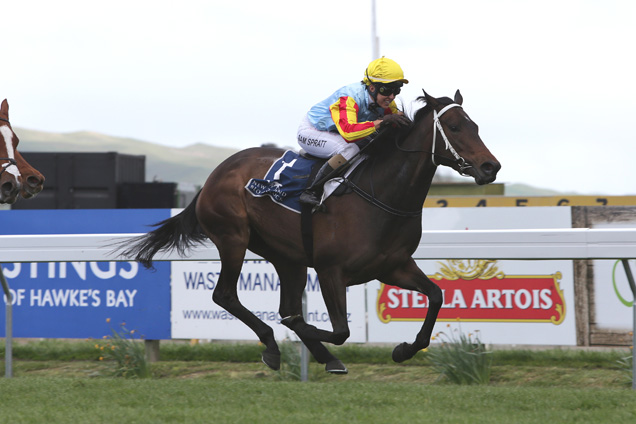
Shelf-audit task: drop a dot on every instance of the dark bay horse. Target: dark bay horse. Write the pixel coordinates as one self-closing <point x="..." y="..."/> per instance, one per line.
<point x="16" y="175"/>
<point x="369" y="233"/>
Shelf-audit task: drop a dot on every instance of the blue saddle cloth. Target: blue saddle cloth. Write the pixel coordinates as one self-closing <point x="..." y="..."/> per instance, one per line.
<point x="284" y="182"/>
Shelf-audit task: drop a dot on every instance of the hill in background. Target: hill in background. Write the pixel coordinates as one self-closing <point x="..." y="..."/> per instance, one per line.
<point x="188" y="165"/>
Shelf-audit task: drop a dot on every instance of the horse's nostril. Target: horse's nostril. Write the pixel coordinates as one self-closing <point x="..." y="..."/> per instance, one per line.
<point x="33" y="181"/>
<point x="8" y="188"/>
<point x="490" y="168"/>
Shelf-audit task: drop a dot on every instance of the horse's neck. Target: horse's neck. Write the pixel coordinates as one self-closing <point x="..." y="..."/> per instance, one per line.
<point x="403" y="176"/>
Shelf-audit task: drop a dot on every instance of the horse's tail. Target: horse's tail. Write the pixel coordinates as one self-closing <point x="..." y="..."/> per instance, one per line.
<point x="181" y="232"/>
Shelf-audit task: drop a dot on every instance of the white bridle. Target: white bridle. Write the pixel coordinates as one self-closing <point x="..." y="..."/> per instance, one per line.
<point x="437" y="125"/>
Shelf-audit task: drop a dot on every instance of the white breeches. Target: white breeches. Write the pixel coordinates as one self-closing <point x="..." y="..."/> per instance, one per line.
<point x="324" y="144"/>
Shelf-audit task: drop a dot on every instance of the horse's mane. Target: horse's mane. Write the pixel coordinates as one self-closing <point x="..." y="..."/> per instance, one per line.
<point x="427" y="108"/>
<point x="381" y="147"/>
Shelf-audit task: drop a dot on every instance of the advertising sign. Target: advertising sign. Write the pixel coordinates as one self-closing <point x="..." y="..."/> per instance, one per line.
<point x="505" y="302"/>
<point x="613" y="298"/>
<point x="195" y="315"/>
<point x="85" y="299"/>
<point x="478" y="291"/>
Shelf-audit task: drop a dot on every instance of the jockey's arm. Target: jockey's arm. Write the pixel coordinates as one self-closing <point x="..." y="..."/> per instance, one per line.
<point x="345" y="115"/>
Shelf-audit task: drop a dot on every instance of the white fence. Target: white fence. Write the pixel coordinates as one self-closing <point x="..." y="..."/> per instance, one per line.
<point x="532" y="244"/>
<point x="535" y="244"/>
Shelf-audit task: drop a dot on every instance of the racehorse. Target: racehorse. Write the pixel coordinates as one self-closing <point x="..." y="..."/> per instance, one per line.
<point x="369" y="233"/>
<point x="16" y="175"/>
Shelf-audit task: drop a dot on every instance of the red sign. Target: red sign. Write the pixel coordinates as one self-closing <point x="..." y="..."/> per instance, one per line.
<point x="468" y="296"/>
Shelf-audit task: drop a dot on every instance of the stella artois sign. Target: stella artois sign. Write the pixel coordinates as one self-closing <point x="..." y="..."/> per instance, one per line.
<point x="476" y="290"/>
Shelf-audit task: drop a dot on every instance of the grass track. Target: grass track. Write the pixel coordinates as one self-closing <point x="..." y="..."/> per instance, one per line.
<point x="62" y="382"/>
<point x="106" y="400"/>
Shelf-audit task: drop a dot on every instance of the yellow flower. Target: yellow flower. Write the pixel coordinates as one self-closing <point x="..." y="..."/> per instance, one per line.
<point x="132" y="331"/>
<point x="101" y="358"/>
<point x="96" y="346"/>
<point x="107" y="319"/>
<point x="102" y="348"/>
<point x="112" y="348"/>
<point x="432" y="338"/>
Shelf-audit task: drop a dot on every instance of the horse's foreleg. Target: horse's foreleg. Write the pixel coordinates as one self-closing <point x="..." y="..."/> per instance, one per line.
<point x="293" y="280"/>
<point x="410" y="277"/>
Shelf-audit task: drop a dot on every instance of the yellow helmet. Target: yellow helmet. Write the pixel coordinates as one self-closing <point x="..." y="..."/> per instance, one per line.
<point x="384" y="71"/>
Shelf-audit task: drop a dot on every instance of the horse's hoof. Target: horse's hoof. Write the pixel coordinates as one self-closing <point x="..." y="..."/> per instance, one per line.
<point x="402" y="352"/>
<point x="336" y="367"/>
<point x="272" y="360"/>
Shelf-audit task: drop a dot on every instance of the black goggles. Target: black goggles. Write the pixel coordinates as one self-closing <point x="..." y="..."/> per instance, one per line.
<point x="388" y="89"/>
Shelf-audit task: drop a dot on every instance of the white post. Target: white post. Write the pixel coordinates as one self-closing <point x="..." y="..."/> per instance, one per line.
<point x="304" y="352"/>
<point x="375" y="42"/>
<point x="8" y="344"/>
<point x="632" y="285"/>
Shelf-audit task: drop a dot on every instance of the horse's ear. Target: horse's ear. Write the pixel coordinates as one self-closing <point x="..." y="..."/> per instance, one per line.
<point x="4" y="108"/>
<point x="458" y="98"/>
<point x="430" y="100"/>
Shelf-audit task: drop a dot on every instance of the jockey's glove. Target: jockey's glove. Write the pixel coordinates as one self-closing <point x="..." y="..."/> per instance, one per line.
<point x="396" y="121"/>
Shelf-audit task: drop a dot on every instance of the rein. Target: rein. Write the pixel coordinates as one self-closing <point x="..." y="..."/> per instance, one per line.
<point x="460" y="162"/>
<point x="375" y="202"/>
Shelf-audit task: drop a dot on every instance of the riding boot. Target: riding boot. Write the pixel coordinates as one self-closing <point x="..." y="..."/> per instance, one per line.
<point x="313" y="193"/>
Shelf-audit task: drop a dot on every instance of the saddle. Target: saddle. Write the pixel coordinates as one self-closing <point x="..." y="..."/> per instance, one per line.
<point x="287" y="178"/>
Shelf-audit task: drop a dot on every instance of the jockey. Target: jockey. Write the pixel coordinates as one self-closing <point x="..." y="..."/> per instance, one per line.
<point x="332" y="127"/>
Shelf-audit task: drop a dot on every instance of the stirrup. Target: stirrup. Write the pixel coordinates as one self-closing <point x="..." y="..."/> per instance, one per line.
<point x="309" y="197"/>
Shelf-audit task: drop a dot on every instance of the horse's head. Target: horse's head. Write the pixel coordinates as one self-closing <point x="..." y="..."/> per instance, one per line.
<point x="456" y="141"/>
<point x="9" y="172"/>
<point x="30" y="179"/>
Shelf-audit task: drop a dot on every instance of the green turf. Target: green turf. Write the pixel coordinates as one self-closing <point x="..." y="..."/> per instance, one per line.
<point x="108" y="400"/>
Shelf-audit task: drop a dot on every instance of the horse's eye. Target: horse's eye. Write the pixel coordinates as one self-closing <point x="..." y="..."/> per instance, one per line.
<point x="454" y="128"/>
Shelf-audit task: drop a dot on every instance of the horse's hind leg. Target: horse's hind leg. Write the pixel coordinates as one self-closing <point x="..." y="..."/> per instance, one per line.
<point x="293" y="279"/>
<point x="232" y="253"/>
<point x="410" y="277"/>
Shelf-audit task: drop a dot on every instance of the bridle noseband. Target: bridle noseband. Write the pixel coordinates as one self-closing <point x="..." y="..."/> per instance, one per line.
<point x="11" y="161"/>
<point x="459" y="161"/>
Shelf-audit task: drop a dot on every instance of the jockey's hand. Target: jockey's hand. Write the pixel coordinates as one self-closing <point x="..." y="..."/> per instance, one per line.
<point x="396" y="121"/>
